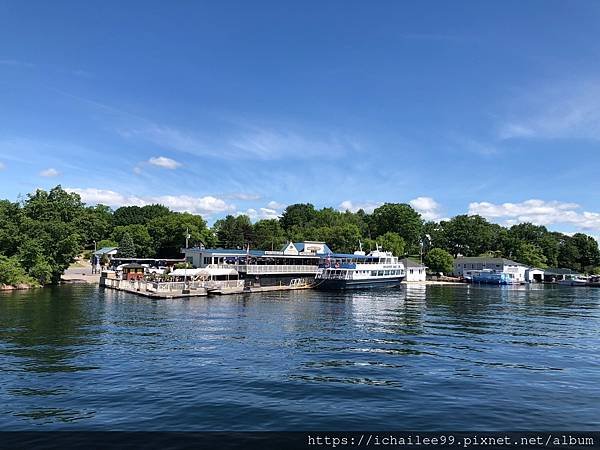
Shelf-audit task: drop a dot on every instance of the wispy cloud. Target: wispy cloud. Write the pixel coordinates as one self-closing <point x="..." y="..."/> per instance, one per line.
<point x="563" y="110"/>
<point x="243" y="142"/>
<point x="205" y="206"/>
<point x="244" y="196"/>
<point x="539" y="212"/>
<point x="164" y="162"/>
<point x="50" y="172"/>
<point x="2" y="165"/>
<point x="16" y="63"/>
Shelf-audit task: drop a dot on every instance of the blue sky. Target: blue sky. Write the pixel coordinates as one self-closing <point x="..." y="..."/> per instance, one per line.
<point x="227" y="107"/>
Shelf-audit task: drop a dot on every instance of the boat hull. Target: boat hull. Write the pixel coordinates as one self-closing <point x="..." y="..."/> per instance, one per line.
<point x="342" y="285"/>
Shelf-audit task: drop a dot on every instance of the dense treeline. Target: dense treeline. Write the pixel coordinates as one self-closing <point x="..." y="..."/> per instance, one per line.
<point x="41" y="235"/>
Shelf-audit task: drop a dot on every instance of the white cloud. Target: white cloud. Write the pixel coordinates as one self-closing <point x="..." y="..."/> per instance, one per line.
<point x="164" y="162"/>
<point x="206" y="205"/>
<point x="427" y="207"/>
<point x="271" y="211"/>
<point x="368" y="207"/>
<point x="567" y="110"/>
<point x="539" y="212"/>
<point x="275" y="205"/>
<point x="2" y="166"/>
<point x="50" y="172"/>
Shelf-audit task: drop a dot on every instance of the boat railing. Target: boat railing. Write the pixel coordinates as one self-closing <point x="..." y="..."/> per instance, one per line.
<point x="258" y="269"/>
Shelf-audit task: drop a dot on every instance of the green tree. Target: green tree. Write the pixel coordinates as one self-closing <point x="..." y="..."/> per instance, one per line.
<point x="106" y="243"/>
<point x="126" y="246"/>
<point x="136" y="215"/>
<point x="49" y="230"/>
<point x="399" y="218"/>
<point x="298" y="215"/>
<point x="588" y="252"/>
<point x="268" y="235"/>
<point x="12" y="273"/>
<point x="568" y="253"/>
<point x="94" y="224"/>
<point x="340" y="238"/>
<point x="234" y="231"/>
<point x="439" y="260"/>
<point x="468" y="235"/>
<point x="392" y="242"/>
<point x="168" y="233"/>
<point x="144" y="245"/>
<point x="531" y="255"/>
<point x="10" y="227"/>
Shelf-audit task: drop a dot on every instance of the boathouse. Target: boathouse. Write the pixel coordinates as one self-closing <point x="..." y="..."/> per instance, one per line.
<point x="415" y="271"/>
<point x="468" y="266"/>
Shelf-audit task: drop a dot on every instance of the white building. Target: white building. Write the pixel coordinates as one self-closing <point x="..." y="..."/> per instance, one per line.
<point x="534" y="275"/>
<point x="415" y="271"/>
<point x="466" y="266"/>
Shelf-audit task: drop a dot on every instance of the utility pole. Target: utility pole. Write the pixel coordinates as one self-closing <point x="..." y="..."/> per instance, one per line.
<point x="187" y="238"/>
<point x="94" y="262"/>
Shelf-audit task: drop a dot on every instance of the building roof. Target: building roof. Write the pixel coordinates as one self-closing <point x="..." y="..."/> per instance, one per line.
<point x="301" y="246"/>
<point x="487" y="259"/>
<point x="133" y="266"/>
<point x="409" y="262"/>
<point x="559" y="271"/>
<point x="257" y="253"/>
<point x="105" y="250"/>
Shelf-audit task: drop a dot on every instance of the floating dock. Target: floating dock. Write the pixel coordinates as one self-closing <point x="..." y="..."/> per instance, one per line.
<point x="159" y="290"/>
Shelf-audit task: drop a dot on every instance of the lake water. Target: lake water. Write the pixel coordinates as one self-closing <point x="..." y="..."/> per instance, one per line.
<point x="418" y="357"/>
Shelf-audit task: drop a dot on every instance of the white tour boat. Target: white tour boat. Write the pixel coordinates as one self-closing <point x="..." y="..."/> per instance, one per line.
<point x="359" y="271"/>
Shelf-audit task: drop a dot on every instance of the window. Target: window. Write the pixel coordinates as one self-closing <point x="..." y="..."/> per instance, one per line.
<point x="373" y="273"/>
<point x="411" y="271"/>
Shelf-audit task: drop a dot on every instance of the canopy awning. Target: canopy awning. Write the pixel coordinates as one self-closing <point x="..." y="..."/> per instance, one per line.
<point x="215" y="272"/>
<point x="185" y="272"/>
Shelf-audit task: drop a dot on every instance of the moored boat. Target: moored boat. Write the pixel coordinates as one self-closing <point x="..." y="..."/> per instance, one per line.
<point x="574" y="280"/>
<point x="360" y="271"/>
<point x="488" y="276"/>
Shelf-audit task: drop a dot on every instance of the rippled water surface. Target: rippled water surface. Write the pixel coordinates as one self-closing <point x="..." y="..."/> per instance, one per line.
<point x="421" y="358"/>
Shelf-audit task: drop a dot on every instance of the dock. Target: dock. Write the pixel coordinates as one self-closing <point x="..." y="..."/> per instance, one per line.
<point x="166" y="290"/>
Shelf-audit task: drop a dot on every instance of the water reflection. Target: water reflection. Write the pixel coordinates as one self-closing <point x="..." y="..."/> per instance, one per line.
<point x="425" y="357"/>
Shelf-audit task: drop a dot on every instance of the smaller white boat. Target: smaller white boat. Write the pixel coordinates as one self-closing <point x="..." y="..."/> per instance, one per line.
<point x="574" y="280"/>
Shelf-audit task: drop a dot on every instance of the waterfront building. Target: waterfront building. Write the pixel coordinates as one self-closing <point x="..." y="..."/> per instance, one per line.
<point x="133" y="272"/>
<point x="295" y="260"/>
<point x="415" y="271"/>
<point x="469" y="266"/>
<point x="555" y="274"/>
<point x="96" y="259"/>
<point x="534" y="275"/>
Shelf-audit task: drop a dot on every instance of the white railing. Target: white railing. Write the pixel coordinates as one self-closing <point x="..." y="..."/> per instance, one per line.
<point x="152" y="286"/>
<point x="260" y="269"/>
<point x="224" y="284"/>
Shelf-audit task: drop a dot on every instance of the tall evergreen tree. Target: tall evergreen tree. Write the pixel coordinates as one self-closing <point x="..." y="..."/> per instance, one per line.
<point x="127" y="246"/>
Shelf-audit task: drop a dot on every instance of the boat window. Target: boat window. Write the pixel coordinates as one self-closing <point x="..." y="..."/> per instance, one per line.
<point x="380" y="273"/>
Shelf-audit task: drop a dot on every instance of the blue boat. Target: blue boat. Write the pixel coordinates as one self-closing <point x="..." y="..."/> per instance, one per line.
<point x="488" y="276"/>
